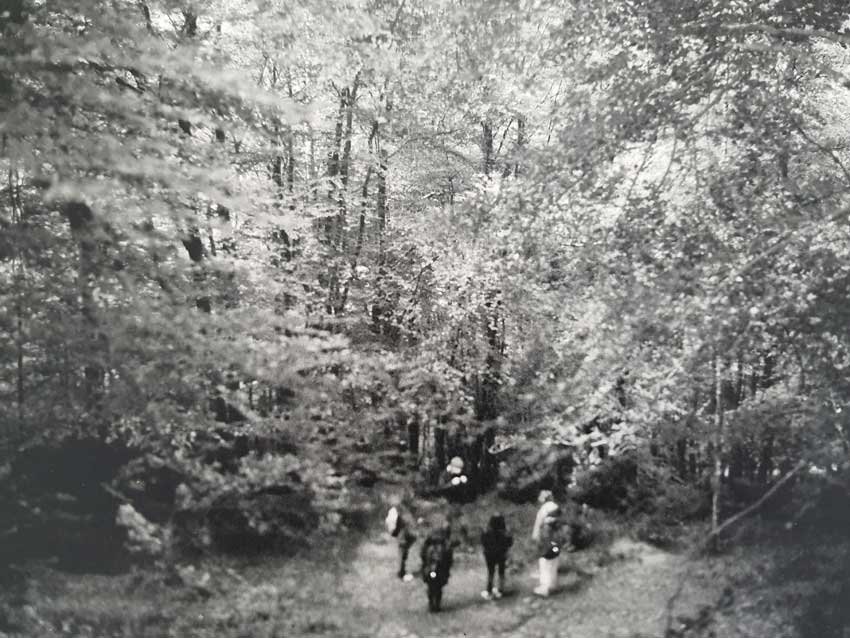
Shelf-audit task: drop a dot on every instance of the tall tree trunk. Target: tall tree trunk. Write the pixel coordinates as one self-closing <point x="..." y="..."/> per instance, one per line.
<point x="290" y="166"/>
<point x="381" y="207"/>
<point x="520" y="143"/>
<point x="440" y="447"/>
<point x="380" y="306"/>
<point x="18" y="274"/>
<point x="413" y="432"/>
<point x="718" y="443"/>
<point x="487" y="159"/>
<point x="348" y="97"/>
<point x="290" y="148"/>
<point x="19" y="345"/>
<point x="361" y="234"/>
<point x="339" y="164"/>
<point x="334" y="154"/>
<point x="314" y="183"/>
<point x="765" y="462"/>
<point x="276" y="168"/>
<point x="82" y="222"/>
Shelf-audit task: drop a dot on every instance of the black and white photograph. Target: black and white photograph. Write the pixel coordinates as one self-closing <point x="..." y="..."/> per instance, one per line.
<point x="424" y="318"/>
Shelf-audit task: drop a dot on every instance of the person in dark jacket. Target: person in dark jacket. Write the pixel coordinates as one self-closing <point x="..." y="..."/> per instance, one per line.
<point x="496" y="542"/>
<point x="437" y="556"/>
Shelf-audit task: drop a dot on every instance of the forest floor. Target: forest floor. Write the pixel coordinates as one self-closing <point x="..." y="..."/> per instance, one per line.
<point x="349" y="589"/>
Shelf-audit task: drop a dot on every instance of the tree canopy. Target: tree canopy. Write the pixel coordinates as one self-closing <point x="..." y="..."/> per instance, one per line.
<point x="619" y="225"/>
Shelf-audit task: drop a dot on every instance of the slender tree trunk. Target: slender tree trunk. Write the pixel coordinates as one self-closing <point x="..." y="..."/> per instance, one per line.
<point x="314" y="185"/>
<point x="440" y="451"/>
<point x="682" y="458"/>
<point x="361" y="233"/>
<point x="211" y="236"/>
<point x="290" y="149"/>
<point x="765" y="462"/>
<point x="717" y="476"/>
<point x="337" y="292"/>
<point x="381" y="206"/>
<point x="349" y="96"/>
<point x="20" y="361"/>
<point x="18" y="273"/>
<point x="520" y="143"/>
<point x="413" y="431"/>
<point x="334" y="155"/>
<point x="82" y="223"/>
<point x="277" y="164"/>
<point x="290" y="166"/>
<point x="338" y="167"/>
<point x="487" y="147"/>
<point x="380" y="303"/>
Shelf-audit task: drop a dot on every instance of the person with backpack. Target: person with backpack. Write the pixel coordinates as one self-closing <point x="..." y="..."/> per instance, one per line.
<point x="399" y="524"/>
<point x="547" y="531"/>
<point x="437" y="556"/>
<point x="496" y="542"/>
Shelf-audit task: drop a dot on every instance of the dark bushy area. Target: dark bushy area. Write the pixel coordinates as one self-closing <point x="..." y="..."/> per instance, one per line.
<point x="53" y="503"/>
<point x="529" y="468"/>
<point x="645" y="491"/>
<point x="815" y="566"/>
<point x="822" y="575"/>
<point x="98" y="506"/>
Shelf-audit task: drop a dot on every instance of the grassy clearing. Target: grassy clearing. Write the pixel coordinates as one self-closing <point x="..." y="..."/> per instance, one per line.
<point x="338" y="588"/>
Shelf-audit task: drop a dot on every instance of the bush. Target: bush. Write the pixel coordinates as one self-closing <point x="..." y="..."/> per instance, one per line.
<point x="644" y="490"/>
<point x="267" y="505"/>
<point x="611" y="485"/>
<point x="143" y="537"/>
<point x="54" y="504"/>
<point x="531" y="468"/>
<point x="101" y="505"/>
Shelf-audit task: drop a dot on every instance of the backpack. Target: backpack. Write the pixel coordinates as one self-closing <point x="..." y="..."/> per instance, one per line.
<point x="391" y="521"/>
<point x="553" y="538"/>
<point x="553" y="550"/>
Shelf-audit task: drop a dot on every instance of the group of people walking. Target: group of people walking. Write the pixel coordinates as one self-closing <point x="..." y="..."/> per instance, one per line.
<point x="437" y="551"/>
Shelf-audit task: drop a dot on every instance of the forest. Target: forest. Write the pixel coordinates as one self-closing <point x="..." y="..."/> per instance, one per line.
<point x="267" y="264"/>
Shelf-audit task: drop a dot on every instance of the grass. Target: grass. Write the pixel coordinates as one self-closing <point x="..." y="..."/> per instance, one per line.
<point x="264" y="596"/>
<point x="343" y="587"/>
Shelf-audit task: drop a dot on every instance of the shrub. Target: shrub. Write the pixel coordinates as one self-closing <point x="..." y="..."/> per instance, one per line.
<point x="144" y="538"/>
<point x="644" y="490"/>
<point x="531" y="468"/>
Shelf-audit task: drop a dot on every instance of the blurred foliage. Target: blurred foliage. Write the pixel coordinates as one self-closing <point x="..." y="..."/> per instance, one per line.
<point x="272" y="251"/>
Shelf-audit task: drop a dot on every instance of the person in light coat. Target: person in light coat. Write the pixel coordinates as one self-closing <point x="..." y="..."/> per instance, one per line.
<point x="399" y="523"/>
<point x="545" y="533"/>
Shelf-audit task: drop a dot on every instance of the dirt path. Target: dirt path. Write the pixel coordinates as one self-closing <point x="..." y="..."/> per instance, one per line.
<point x="628" y="597"/>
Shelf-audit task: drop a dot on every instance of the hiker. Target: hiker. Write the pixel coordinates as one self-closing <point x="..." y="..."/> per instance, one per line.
<point x="496" y="542"/>
<point x="547" y="533"/>
<point x="454" y="474"/>
<point x="455" y="482"/>
<point x="437" y="557"/>
<point x="399" y="524"/>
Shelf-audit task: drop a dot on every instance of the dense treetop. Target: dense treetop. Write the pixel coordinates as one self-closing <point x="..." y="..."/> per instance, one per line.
<point x="621" y="222"/>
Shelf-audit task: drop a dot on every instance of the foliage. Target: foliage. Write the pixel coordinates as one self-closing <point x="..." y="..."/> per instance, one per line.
<point x="272" y="247"/>
<point x="143" y="537"/>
